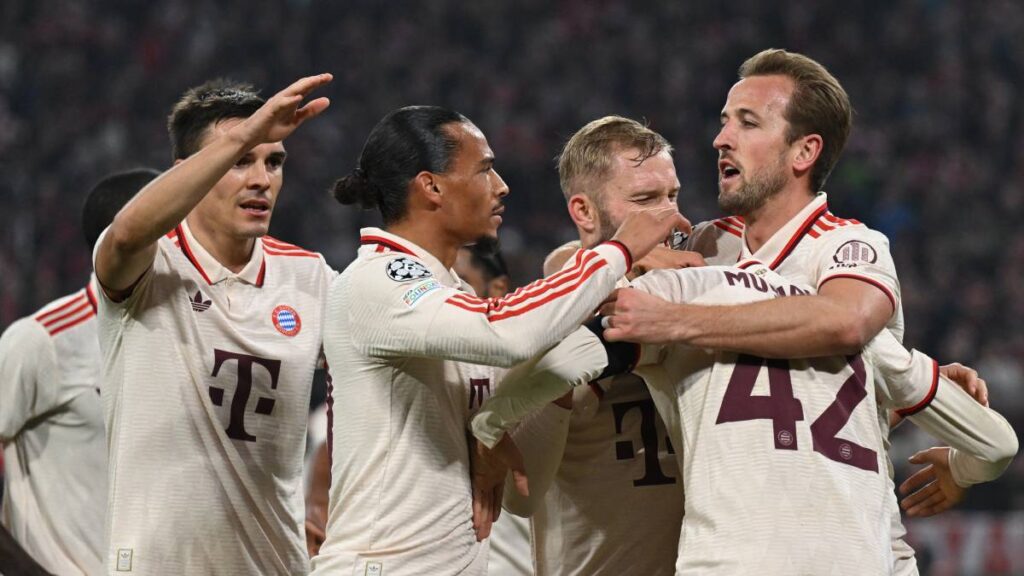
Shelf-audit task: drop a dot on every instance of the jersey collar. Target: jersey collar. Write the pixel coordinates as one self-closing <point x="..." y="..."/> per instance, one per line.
<point x="782" y="243"/>
<point x="373" y="240"/>
<point x="212" y="270"/>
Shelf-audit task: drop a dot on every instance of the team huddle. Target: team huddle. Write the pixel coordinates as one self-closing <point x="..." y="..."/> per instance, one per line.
<point x="716" y="405"/>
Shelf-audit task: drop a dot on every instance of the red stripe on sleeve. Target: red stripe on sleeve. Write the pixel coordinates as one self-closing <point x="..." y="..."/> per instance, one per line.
<point x="73" y="302"/>
<point x="927" y="397"/>
<point x="872" y="281"/>
<point x="75" y="322"/>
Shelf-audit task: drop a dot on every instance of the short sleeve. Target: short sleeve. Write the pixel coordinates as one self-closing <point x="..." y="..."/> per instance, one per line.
<point x="27" y="370"/>
<point x="857" y="253"/>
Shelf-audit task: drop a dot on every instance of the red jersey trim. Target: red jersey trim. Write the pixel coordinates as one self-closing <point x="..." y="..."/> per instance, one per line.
<point x="804" y="229"/>
<point x="534" y="289"/>
<point x="75" y="322"/>
<point x="268" y="250"/>
<point x="92" y="298"/>
<point x="722" y="225"/>
<point x="885" y="289"/>
<point x="188" y="254"/>
<point x="44" y="317"/>
<point x="927" y="397"/>
<point x="385" y="242"/>
<point x="279" y="246"/>
<point x="544" y="290"/>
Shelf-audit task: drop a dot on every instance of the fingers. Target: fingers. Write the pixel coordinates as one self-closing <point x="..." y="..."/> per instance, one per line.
<point x="934" y="504"/>
<point x="967" y="378"/>
<point x="521" y="482"/>
<point x="982" y="396"/>
<point x="312" y="109"/>
<point x="918" y="479"/>
<point x="482" y="513"/>
<point x="929" y="456"/>
<point x="923" y="495"/>
<point x="304" y="86"/>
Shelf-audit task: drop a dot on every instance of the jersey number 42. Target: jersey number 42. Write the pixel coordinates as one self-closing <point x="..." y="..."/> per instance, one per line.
<point x="784" y="410"/>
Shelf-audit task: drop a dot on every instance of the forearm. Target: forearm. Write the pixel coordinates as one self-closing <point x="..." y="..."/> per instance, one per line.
<point x="984" y="443"/>
<point x="127" y="249"/>
<point x="577" y="360"/>
<point x="794" y="327"/>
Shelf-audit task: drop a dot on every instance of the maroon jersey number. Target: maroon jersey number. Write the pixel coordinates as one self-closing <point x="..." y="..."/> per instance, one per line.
<point x="784" y="410"/>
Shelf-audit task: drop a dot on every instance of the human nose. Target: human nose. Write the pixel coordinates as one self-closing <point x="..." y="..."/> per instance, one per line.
<point x="258" y="176"/>
<point x="502" y="188"/>
<point x="724" y="139"/>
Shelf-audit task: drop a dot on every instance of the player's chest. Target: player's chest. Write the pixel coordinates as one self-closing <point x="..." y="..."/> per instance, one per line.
<point x="286" y="321"/>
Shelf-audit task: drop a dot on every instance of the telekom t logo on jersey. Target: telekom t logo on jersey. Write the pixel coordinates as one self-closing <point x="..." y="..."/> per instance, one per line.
<point x="264" y="405"/>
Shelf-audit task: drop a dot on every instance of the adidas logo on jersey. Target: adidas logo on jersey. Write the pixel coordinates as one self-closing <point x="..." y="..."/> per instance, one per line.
<point x="198" y="304"/>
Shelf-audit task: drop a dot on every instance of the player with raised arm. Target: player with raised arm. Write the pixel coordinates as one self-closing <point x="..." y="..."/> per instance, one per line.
<point x="407" y="334"/>
<point x="210" y="332"/>
<point x="51" y="420"/>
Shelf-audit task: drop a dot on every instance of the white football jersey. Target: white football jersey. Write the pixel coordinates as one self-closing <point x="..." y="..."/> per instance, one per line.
<point x="616" y="502"/>
<point x="784" y="468"/>
<point x="812" y="248"/>
<point x="207" y="379"/>
<point x="405" y="333"/>
<point x="51" y="428"/>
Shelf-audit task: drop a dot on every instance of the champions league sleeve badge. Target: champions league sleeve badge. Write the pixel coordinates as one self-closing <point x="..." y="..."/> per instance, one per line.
<point x="404" y="269"/>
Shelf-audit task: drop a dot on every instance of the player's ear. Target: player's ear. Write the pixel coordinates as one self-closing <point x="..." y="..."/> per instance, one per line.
<point x="583" y="212"/>
<point x="808" y="150"/>
<point x="428" y="187"/>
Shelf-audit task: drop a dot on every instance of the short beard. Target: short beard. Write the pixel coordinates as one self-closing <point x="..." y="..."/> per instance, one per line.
<point x="607" y="228"/>
<point x="753" y="193"/>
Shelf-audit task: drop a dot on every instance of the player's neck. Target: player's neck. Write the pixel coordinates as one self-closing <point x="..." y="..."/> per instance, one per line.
<point x="426" y="235"/>
<point x="232" y="252"/>
<point x="764" y="222"/>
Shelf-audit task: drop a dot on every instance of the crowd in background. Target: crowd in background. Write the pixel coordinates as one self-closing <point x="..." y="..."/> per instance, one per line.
<point x="935" y="160"/>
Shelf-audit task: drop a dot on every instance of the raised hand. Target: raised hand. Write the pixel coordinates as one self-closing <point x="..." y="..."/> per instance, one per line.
<point x="932" y="489"/>
<point x="642" y="230"/>
<point x="281" y="114"/>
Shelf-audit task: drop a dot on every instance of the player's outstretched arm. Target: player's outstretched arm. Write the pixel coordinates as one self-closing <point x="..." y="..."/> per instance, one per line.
<point x="127" y="249"/>
<point x="840" y="319"/>
<point x="983" y="442"/>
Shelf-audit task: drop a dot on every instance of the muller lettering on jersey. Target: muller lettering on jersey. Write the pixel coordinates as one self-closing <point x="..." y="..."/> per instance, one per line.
<point x="748" y="280"/>
<point x="264" y="405"/>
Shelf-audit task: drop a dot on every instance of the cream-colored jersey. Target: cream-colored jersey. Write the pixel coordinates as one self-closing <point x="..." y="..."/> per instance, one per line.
<point x="405" y="334"/>
<point x="616" y="502"/>
<point x="812" y="248"/>
<point x="207" y="379"/>
<point x="781" y="459"/>
<point x="51" y="428"/>
<point x="510" y="547"/>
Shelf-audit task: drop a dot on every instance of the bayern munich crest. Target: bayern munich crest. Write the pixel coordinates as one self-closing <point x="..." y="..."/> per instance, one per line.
<point x="854" y="252"/>
<point x="286" y="320"/>
<point x="405" y="269"/>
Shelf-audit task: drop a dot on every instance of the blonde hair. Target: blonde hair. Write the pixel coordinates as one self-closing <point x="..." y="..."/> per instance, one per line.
<point x="819" y="105"/>
<point x="587" y="156"/>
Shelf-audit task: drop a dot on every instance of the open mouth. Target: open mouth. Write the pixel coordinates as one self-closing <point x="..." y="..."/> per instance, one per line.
<point x="256" y="207"/>
<point x="727" y="170"/>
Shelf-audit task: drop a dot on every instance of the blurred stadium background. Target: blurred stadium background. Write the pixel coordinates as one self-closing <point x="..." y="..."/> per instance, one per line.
<point x="936" y="159"/>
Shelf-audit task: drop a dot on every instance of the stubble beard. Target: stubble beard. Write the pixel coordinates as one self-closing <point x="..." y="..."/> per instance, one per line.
<point x="754" y="192"/>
